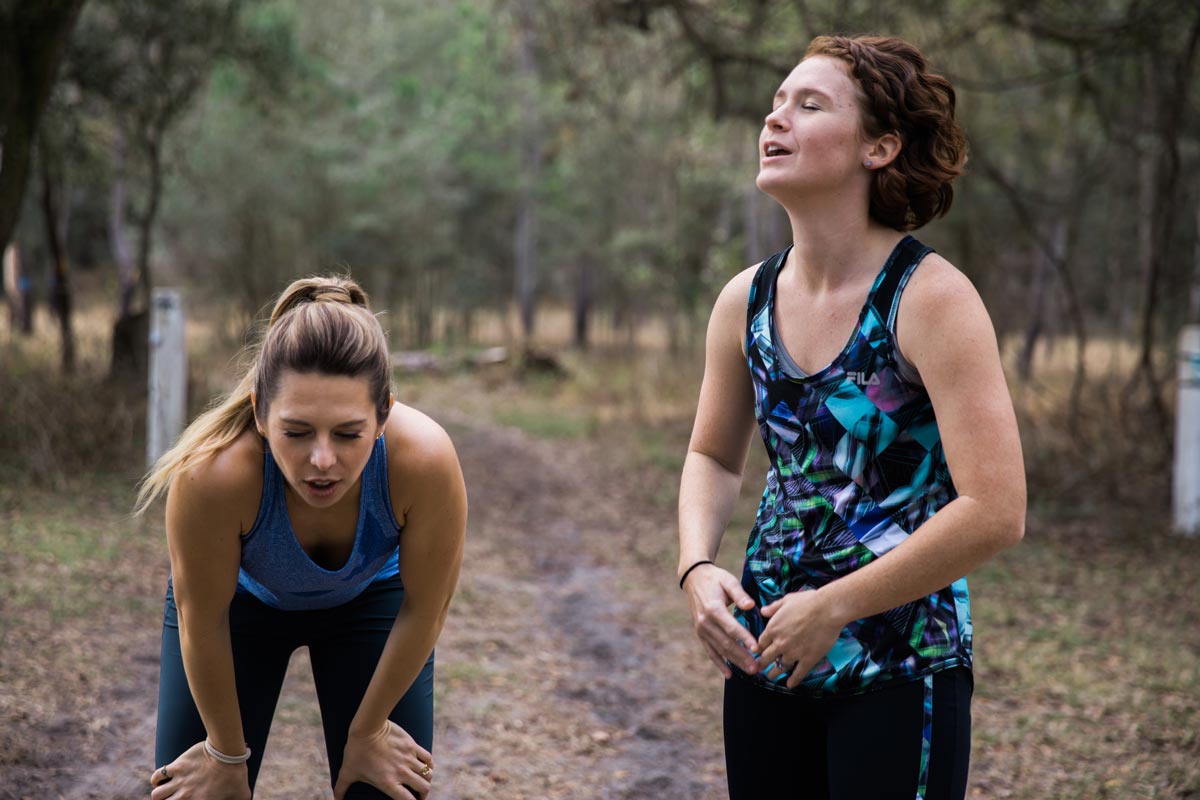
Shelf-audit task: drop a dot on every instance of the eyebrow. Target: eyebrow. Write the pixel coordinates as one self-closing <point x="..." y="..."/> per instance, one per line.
<point x="291" y="421"/>
<point x="803" y="90"/>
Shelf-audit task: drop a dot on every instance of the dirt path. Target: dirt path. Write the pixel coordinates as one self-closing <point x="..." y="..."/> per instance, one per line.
<point x="561" y="673"/>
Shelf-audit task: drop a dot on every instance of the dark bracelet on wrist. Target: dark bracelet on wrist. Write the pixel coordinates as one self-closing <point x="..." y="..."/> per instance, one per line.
<point x="688" y="571"/>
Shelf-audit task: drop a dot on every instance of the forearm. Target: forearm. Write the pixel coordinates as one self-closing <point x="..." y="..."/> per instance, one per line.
<point x="707" y="493"/>
<point x="208" y="664"/>
<point x="958" y="538"/>
<point x="408" y="646"/>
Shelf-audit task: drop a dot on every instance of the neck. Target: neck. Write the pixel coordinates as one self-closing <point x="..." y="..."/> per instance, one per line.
<point x="835" y="244"/>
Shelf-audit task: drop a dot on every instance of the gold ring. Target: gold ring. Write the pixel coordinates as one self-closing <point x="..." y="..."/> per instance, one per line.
<point x="425" y="773"/>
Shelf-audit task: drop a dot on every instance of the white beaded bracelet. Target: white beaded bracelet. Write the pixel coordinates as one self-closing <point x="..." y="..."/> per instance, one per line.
<point x="224" y="759"/>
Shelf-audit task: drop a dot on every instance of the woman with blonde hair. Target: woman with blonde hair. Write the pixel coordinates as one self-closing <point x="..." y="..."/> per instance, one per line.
<point x="870" y="368"/>
<point x="307" y="509"/>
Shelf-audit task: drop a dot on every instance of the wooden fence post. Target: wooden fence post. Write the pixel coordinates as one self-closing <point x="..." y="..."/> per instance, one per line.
<point x="167" y="407"/>
<point x="1187" y="434"/>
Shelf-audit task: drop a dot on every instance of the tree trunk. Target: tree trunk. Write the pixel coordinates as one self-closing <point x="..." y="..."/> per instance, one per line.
<point x="33" y="38"/>
<point x="16" y="292"/>
<point x="584" y="296"/>
<point x="116" y="225"/>
<point x="1036" y="302"/>
<point x="1193" y="314"/>
<point x="60" y="294"/>
<point x="130" y="355"/>
<point x="525" y="239"/>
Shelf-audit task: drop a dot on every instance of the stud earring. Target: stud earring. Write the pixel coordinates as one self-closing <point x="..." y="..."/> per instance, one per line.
<point x="867" y="163"/>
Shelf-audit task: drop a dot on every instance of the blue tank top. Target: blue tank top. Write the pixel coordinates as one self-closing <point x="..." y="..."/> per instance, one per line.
<point x="856" y="466"/>
<point x="277" y="571"/>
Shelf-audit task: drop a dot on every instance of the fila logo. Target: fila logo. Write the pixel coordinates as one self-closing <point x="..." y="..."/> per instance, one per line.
<point x="862" y="378"/>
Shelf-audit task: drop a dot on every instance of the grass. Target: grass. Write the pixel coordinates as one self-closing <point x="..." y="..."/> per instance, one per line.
<point x="1088" y="650"/>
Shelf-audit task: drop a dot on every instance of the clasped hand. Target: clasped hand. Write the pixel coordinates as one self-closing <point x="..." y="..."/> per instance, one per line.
<point x="801" y="627"/>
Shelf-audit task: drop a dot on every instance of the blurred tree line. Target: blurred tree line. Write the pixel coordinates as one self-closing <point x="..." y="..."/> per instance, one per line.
<point x="476" y="156"/>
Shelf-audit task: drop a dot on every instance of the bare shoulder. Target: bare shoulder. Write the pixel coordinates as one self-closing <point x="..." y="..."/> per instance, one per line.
<point x="727" y="324"/>
<point x="942" y="316"/>
<point x="735" y="294"/>
<point x="225" y="489"/>
<point x="421" y="456"/>
<point x="935" y="283"/>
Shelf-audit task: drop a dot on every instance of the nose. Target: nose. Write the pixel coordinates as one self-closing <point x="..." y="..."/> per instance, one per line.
<point x="322" y="456"/>
<point x="775" y="120"/>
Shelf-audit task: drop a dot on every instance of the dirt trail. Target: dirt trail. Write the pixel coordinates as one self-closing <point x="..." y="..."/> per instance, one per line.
<point x="563" y="672"/>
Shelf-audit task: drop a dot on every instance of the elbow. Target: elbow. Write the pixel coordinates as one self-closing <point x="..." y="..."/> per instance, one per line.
<point x="1014" y="531"/>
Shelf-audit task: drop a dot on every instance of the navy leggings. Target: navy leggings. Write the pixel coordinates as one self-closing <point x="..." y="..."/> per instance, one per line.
<point x="344" y="645"/>
<point x="791" y="747"/>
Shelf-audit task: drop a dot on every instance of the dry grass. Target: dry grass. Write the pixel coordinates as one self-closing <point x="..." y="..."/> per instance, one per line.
<point x="1088" y="651"/>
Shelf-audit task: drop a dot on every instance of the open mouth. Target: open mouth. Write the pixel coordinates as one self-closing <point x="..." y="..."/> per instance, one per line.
<point x="772" y="150"/>
<point x="321" y="488"/>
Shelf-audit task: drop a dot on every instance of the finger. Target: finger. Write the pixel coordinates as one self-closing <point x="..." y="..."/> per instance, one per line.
<point x="401" y="791"/>
<point x="723" y="624"/>
<point x="798" y="673"/>
<point x="423" y="773"/>
<point x="162" y="791"/>
<point x="417" y="784"/>
<point x="716" y="658"/>
<point x="339" y="790"/>
<point x="160" y="775"/>
<point x="733" y="588"/>
<point x="422" y="753"/>
<point x="731" y="650"/>
<point x="771" y="608"/>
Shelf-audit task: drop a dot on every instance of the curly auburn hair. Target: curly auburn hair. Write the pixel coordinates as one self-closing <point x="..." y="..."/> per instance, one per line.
<point x="900" y="95"/>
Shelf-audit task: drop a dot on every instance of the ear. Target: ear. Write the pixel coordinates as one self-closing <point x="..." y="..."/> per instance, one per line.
<point x="254" y="410"/>
<point x="882" y="151"/>
<point x="391" y="402"/>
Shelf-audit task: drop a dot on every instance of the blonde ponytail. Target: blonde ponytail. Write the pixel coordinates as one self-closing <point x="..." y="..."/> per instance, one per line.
<point x="321" y="324"/>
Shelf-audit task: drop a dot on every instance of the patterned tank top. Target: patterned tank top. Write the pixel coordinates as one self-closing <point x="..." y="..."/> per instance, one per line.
<point x="856" y="466"/>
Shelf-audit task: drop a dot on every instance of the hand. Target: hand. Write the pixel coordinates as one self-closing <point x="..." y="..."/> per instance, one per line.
<point x="387" y="759"/>
<point x="198" y="776"/>
<point x="801" y="630"/>
<point x="710" y="592"/>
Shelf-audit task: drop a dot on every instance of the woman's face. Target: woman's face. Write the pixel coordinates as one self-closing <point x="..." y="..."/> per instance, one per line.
<point x="321" y="429"/>
<point x="813" y="140"/>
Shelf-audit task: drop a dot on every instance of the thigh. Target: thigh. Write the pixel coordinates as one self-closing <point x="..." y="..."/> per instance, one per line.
<point x="344" y="657"/>
<point x="910" y="741"/>
<point x="260" y="658"/>
<point x="775" y="744"/>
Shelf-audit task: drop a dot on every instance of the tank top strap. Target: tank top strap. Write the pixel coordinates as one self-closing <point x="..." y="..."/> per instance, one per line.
<point x="904" y="259"/>
<point x="761" y="289"/>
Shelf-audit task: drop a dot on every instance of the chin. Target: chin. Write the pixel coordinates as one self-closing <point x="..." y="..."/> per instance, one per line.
<point x="771" y="185"/>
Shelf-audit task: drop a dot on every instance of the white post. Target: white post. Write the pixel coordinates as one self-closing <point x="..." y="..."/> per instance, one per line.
<point x="167" y="407"/>
<point x="1187" y="434"/>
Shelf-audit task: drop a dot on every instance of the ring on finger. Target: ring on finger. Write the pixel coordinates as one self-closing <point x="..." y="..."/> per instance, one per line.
<point x="166" y="775"/>
<point x="426" y="771"/>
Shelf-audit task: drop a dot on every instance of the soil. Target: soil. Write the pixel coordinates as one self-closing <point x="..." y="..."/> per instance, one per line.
<point x="559" y="673"/>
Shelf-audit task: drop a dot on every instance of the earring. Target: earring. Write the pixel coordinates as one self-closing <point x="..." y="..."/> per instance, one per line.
<point x="867" y="163"/>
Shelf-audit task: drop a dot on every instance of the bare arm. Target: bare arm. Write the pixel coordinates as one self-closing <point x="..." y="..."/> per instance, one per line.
<point x="431" y="551"/>
<point x="208" y="507"/>
<point x="426" y="478"/>
<point x="945" y="331"/>
<point x="712" y="478"/>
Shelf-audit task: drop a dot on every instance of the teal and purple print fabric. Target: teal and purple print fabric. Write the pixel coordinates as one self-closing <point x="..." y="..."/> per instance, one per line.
<point x="856" y="466"/>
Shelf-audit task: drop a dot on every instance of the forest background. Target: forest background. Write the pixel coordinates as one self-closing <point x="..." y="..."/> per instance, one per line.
<point x="572" y="180"/>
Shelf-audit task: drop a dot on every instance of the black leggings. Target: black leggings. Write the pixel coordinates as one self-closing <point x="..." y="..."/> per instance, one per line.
<point x="789" y="747"/>
<point x="344" y="645"/>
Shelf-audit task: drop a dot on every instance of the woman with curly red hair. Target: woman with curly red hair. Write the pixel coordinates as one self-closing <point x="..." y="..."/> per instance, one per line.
<point x="871" y="368"/>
